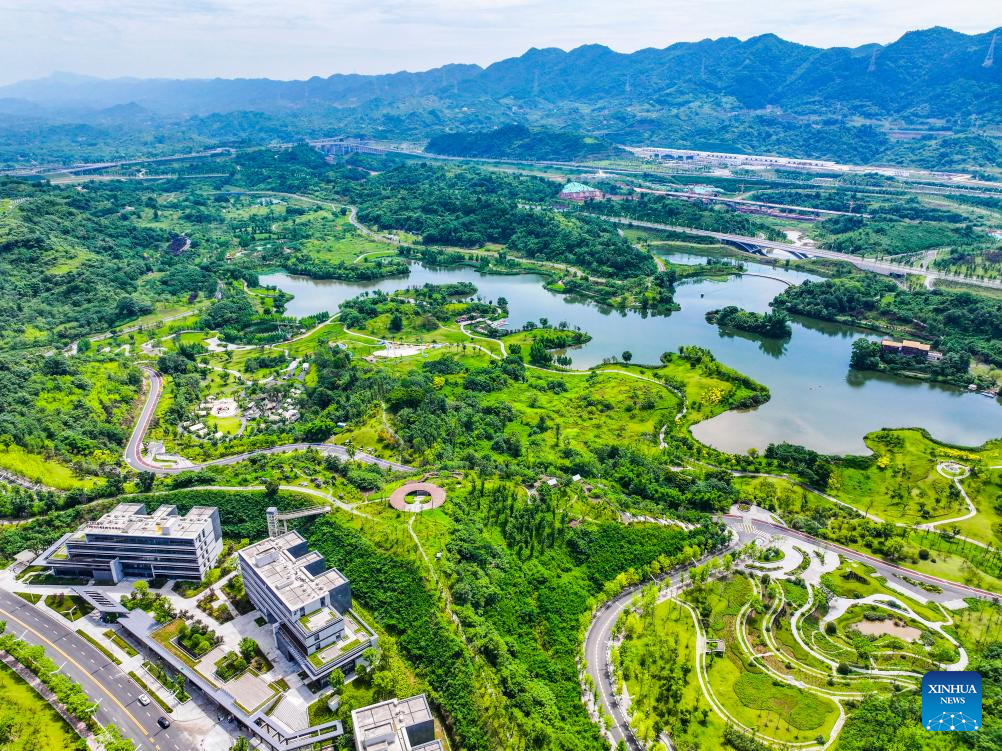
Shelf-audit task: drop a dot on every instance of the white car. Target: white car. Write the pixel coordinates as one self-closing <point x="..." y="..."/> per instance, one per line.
<point x="144" y="700"/>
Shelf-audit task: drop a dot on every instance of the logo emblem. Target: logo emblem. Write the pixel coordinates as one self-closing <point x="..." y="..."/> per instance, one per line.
<point x="951" y="700"/>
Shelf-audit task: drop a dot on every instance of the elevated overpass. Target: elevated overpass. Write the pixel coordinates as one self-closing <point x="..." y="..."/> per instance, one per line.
<point x="775" y="248"/>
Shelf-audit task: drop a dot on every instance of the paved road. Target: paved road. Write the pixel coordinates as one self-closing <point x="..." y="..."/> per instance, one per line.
<point x="600" y="630"/>
<point x="863" y="263"/>
<point x="103" y="681"/>
<point x="134" y="449"/>
<point x="951" y="590"/>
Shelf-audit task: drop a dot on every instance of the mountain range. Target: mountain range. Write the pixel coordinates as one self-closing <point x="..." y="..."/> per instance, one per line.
<point x="933" y="97"/>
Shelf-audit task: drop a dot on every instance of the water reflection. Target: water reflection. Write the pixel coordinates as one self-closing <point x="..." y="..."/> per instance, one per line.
<point x="816" y="400"/>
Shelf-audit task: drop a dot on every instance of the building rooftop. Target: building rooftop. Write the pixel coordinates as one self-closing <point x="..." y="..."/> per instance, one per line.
<point x="383" y="726"/>
<point x="915" y="345"/>
<point x="131" y="519"/>
<point x="576" y="187"/>
<point x="287" y="575"/>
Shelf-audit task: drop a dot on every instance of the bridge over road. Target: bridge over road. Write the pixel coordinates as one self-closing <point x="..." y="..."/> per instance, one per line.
<point x="800" y="251"/>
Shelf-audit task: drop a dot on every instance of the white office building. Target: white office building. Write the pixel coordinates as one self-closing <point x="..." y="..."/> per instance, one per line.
<point x="308" y="605"/>
<point x="128" y="542"/>
<point x="396" y="725"/>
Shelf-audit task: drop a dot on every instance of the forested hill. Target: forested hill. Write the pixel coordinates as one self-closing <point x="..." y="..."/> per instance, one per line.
<point x="763" y="94"/>
<point x="518" y="142"/>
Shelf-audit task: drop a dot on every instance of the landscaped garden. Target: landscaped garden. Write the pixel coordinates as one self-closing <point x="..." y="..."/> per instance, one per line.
<point x="70" y="607"/>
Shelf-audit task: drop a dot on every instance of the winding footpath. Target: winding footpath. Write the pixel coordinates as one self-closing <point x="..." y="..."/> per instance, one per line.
<point x="136" y="460"/>
<point x="744" y="529"/>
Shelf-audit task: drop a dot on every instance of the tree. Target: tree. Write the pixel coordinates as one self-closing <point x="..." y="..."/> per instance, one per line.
<point x="146" y="480"/>
<point x="538" y="355"/>
<point x="337" y="681"/>
<point x="271" y="488"/>
<point x="865" y="355"/>
<point x="396" y="323"/>
<point x="627" y="356"/>
<point x="242" y="744"/>
<point x="248" y="648"/>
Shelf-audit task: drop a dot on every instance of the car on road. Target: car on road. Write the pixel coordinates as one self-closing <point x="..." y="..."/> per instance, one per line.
<point x="163" y="722"/>
<point x="144" y="700"/>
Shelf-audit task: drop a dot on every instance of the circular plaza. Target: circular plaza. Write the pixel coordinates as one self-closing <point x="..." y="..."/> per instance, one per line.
<point x="417" y="496"/>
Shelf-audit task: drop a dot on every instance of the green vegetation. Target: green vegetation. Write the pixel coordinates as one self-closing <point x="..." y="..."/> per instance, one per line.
<point x="64" y="420"/>
<point x="516" y="568"/>
<point x="520" y="143"/>
<point x="672" y="211"/>
<point x="960" y="325"/>
<point x="70" y="607"/>
<point x="27" y="722"/>
<point x="889" y="236"/>
<point x="468" y="208"/>
<point x="774" y="324"/>
<point x="71" y="695"/>
<point x="482" y="602"/>
<point x="119" y="642"/>
<point x="230" y="665"/>
<point x="197" y="639"/>
<point x="899" y="481"/>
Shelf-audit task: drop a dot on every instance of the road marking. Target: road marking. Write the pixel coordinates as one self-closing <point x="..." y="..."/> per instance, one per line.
<point x="81" y="667"/>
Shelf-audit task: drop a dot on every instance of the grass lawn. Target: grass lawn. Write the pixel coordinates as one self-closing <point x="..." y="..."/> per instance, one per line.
<point x="320" y="712"/>
<point x="776" y="709"/>
<point x="984" y="487"/>
<point x="119" y="642"/>
<point x="334" y="239"/>
<point x="70" y="607"/>
<point x="669" y="624"/>
<point x="165" y="636"/>
<point x="413" y="330"/>
<point x="30" y="724"/>
<point x="856" y="580"/>
<point x="977" y="624"/>
<point x="902" y="485"/>
<point x="40" y="469"/>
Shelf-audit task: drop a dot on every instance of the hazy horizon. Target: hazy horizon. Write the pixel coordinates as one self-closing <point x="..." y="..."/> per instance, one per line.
<point x="302" y="39"/>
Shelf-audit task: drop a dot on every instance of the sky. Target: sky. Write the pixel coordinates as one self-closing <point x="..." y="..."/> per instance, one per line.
<point x="301" y="38"/>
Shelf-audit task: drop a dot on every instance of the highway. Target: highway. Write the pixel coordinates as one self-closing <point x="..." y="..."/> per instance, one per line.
<point x="134" y="449"/>
<point x="104" y="682"/>
<point x="599" y="634"/>
<point x="880" y="267"/>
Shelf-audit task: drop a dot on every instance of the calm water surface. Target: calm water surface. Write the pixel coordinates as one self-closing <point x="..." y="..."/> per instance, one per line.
<point x="816" y="400"/>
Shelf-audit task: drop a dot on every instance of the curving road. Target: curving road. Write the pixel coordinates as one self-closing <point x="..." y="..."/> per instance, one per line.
<point x="134" y="449"/>
<point x="744" y="529"/>
<point x="104" y="682"/>
<point x="869" y="264"/>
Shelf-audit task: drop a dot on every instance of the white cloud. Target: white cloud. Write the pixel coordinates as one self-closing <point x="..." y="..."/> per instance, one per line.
<point x="300" y="38"/>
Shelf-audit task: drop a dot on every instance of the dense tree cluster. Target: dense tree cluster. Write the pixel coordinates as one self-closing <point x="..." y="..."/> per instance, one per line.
<point x="774" y="324"/>
<point x="522" y="143"/>
<point x="468" y="208"/>
<point x="673" y="211"/>
<point x="957" y="322"/>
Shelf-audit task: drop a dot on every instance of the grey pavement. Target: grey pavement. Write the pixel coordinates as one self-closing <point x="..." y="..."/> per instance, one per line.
<point x="104" y="682"/>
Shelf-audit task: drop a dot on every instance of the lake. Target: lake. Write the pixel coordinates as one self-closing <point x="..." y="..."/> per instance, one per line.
<point x="817" y="401"/>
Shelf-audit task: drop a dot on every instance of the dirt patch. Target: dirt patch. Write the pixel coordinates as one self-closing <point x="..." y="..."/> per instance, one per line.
<point x="888" y="628"/>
